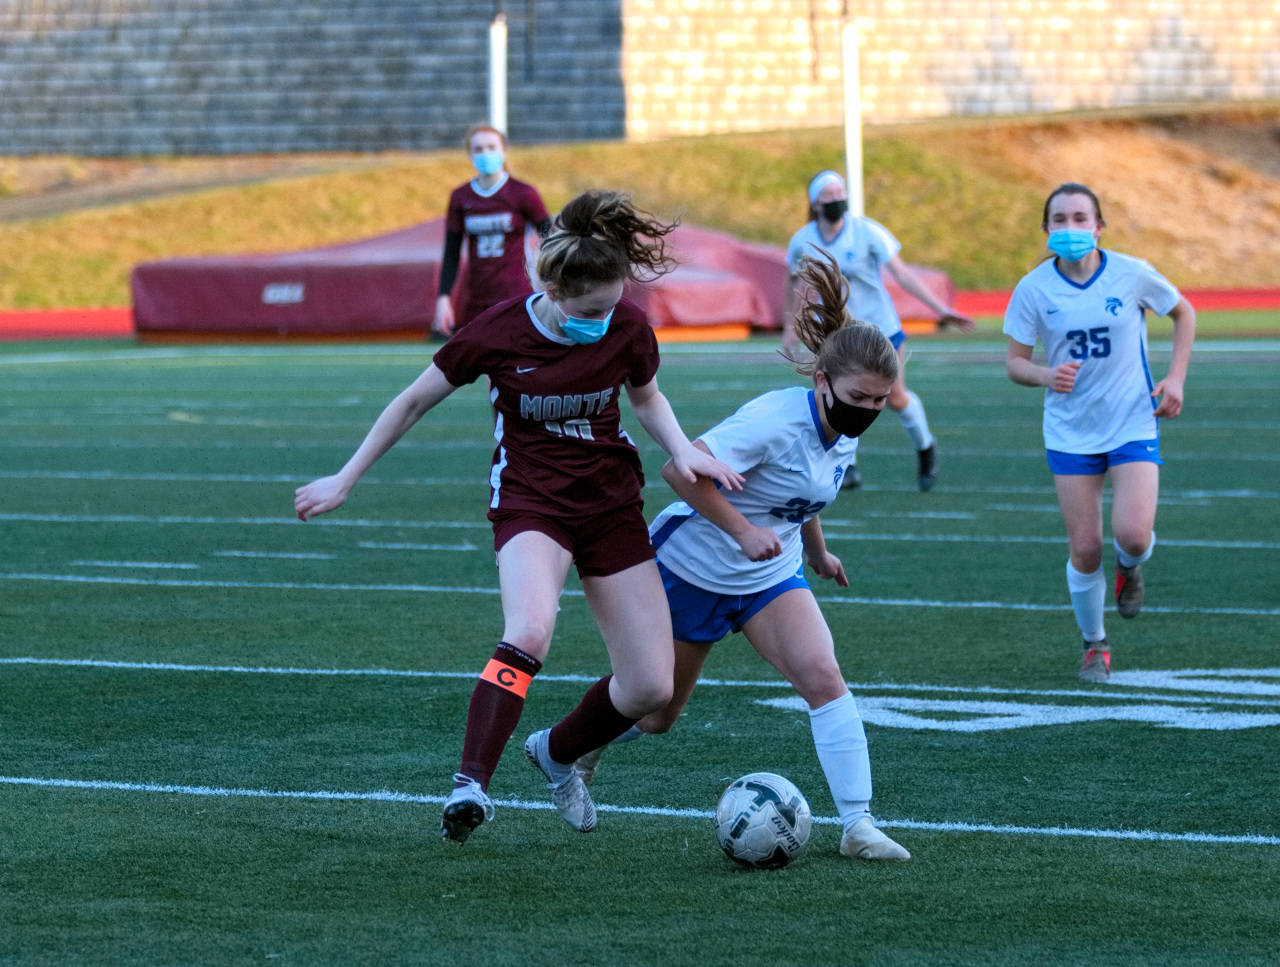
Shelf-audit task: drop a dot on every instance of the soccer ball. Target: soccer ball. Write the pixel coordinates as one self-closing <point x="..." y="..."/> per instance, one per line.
<point x="762" y="820"/>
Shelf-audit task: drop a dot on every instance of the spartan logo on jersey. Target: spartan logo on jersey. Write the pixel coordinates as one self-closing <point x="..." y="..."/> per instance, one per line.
<point x="499" y="223"/>
<point x="1114" y="305"/>
<point x="797" y="510"/>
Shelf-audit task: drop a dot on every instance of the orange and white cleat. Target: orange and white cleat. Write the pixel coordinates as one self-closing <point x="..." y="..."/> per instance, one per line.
<point x="1096" y="666"/>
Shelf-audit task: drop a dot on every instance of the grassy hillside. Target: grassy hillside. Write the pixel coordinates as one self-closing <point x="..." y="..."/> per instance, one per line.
<point x="964" y="197"/>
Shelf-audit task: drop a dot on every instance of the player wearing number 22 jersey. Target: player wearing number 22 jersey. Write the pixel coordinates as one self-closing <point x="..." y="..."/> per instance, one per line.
<point x="492" y="221"/>
<point x="561" y="449"/>
<point x="1100" y="324"/>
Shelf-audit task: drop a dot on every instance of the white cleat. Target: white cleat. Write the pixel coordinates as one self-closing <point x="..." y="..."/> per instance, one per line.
<point x="465" y="809"/>
<point x="568" y="791"/>
<point x="587" y="764"/>
<point x="864" y="842"/>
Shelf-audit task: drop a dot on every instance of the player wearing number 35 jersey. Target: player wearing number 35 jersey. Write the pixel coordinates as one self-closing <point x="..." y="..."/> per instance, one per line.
<point x="1088" y="309"/>
<point x="1101" y="324"/>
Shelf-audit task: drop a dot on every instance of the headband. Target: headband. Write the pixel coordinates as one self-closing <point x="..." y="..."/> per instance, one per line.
<point x="820" y="181"/>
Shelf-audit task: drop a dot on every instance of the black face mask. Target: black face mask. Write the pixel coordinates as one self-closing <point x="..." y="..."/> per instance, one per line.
<point x="847" y="419"/>
<point x="833" y="211"/>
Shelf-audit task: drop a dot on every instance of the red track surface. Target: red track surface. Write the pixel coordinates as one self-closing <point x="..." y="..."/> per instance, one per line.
<point x="117" y="323"/>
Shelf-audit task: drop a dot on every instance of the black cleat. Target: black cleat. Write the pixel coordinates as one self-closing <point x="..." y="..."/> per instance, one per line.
<point x="465" y="809"/>
<point x="928" y="475"/>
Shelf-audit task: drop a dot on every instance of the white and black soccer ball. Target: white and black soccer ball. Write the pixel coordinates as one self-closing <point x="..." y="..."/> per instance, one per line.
<point x="763" y="820"/>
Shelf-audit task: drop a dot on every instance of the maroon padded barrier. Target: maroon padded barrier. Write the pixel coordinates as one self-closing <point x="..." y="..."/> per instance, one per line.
<point x="386" y="286"/>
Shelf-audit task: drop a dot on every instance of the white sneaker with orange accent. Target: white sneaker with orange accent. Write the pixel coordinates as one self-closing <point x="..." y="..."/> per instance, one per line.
<point x="1096" y="665"/>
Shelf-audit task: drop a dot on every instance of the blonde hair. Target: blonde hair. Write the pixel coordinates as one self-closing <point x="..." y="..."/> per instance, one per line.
<point x="838" y="343"/>
<point x="601" y="237"/>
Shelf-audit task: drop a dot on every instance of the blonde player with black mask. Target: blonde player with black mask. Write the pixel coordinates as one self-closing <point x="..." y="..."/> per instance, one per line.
<point x="1102" y="408"/>
<point x="564" y="490"/>
<point x="735" y="561"/>
<point x="863" y="249"/>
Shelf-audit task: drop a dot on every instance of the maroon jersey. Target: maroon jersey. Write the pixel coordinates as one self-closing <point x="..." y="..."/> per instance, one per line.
<point x="493" y="224"/>
<point x="561" y="451"/>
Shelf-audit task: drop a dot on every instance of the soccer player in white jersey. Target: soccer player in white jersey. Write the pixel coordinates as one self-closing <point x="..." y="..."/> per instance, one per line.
<point x="1087" y="308"/>
<point x="734" y="561"/>
<point x="864" y="249"/>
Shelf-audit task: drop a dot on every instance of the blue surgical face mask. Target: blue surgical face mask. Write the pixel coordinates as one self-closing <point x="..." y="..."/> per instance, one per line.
<point x="488" y="162"/>
<point x="1072" y="244"/>
<point x="584" y="331"/>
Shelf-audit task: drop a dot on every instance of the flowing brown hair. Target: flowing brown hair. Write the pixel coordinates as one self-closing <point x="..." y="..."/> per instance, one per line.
<point x="601" y="237"/>
<point x="838" y="343"/>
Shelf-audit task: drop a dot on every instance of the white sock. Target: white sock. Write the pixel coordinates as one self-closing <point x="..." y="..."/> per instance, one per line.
<point x="1125" y="559"/>
<point x="916" y="423"/>
<point x="1088" y="601"/>
<point x="842" y="751"/>
<point x="632" y="733"/>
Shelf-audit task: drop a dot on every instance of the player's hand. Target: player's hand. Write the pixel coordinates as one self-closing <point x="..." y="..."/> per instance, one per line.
<point x="1062" y="378"/>
<point x="693" y="462"/>
<point x="443" y="322"/>
<point x="760" y="544"/>
<point x="963" y="323"/>
<point x="1169" y="393"/>
<point x="829" y="567"/>
<point x="319" y="497"/>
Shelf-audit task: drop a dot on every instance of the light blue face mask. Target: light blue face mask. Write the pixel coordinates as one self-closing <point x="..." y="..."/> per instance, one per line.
<point x="1072" y="244"/>
<point x="584" y="331"/>
<point x="488" y="162"/>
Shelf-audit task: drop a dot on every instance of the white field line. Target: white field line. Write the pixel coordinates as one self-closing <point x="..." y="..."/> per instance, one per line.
<point x="143" y="565"/>
<point x="387" y="796"/>
<point x="921" y="350"/>
<point x="832" y="528"/>
<point x="859" y="688"/>
<point x="443" y="589"/>
<point x="97" y="476"/>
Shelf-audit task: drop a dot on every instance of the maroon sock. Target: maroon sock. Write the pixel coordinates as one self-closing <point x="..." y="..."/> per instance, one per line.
<point x="595" y="722"/>
<point x="496" y="704"/>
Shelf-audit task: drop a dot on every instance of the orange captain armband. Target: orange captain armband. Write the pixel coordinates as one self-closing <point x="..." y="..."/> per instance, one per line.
<point x="505" y="677"/>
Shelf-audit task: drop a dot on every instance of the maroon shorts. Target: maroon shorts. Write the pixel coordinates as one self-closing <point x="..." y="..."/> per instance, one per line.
<point x="600" y="546"/>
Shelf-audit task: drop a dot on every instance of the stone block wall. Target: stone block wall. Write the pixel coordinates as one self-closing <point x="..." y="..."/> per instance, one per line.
<point x="156" y="77"/>
<point x="694" y="67"/>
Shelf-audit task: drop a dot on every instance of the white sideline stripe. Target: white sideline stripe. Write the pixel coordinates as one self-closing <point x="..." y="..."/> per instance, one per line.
<point x="857" y="687"/>
<point x="385" y="795"/>
<point x="274" y="555"/>
<point x="285" y="521"/>
<point x="379" y="546"/>
<point x="160" y="565"/>
<point x="832" y="527"/>
<point x="441" y="589"/>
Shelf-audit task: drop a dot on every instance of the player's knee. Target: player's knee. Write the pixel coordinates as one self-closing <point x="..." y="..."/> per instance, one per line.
<point x="1134" y="540"/>
<point x="659" y="722"/>
<point x="821" y="684"/>
<point x="533" y="638"/>
<point x="1086" y="558"/>
<point x="641" y="699"/>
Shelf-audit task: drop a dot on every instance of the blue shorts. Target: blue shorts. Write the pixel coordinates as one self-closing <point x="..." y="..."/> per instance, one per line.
<point x="898" y="338"/>
<point x="1092" y="464"/>
<point x="703" y="617"/>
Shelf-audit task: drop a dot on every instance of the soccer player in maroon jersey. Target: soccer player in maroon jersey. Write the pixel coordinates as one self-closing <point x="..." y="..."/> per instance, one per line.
<point x="564" y="489"/>
<point x="492" y="212"/>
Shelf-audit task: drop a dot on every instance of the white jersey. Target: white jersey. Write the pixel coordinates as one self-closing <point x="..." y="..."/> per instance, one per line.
<point x="862" y="249"/>
<point x="1100" y="324"/>
<point x="792" y="471"/>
